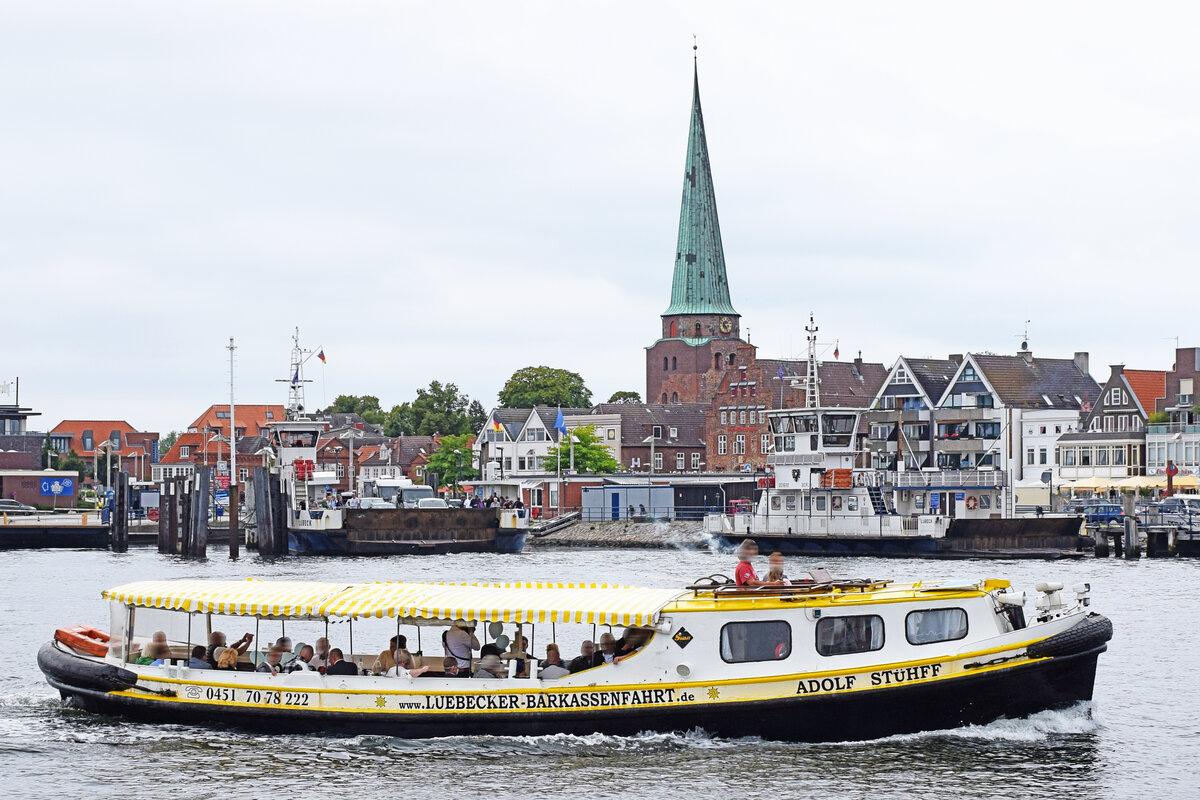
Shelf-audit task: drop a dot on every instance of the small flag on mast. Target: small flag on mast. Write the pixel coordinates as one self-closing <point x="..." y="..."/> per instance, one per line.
<point x="496" y="425"/>
<point x="321" y="355"/>
<point x="296" y="377"/>
<point x="559" y="424"/>
<point x="836" y="352"/>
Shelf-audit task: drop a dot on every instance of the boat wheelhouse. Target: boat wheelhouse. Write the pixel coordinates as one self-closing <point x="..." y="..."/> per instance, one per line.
<point x="819" y="659"/>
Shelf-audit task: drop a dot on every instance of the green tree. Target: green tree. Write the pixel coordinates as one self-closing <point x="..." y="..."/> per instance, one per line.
<point x="591" y="455"/>
<point x="1158" y="418"/>
<point x="165" y="443"/>
<point x="72" y="462"/>
<point x="625" y="398"/>
<point x="545" y="386"/>
<point x="444" y="461"/>
<point x="440" y="408"/>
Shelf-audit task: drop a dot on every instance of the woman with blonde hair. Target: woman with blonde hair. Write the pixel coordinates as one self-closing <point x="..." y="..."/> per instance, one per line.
<point x="227" y="658"/>
<point x="405" y="665"/>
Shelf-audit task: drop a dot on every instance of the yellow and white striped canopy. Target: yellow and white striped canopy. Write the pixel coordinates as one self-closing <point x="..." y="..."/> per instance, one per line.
<point x="599" y="604"/>
<point x="251" y="598"/>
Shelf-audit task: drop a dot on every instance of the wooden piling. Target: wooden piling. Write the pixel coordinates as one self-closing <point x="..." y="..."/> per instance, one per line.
<point x="262" y="512"/>
<point x="164" y="535"/>
<point x="279" y="514"/>
<point x="185" y="517"/>
<point x="203" y="495"/>
<point x="119" y="529"/>
<point x="234" y="533"/>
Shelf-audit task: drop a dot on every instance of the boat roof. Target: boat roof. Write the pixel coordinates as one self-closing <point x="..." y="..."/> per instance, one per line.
<point x="415" y="603"/>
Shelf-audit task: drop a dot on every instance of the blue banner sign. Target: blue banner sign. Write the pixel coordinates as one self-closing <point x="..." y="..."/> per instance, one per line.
<point x="53" y="487"/>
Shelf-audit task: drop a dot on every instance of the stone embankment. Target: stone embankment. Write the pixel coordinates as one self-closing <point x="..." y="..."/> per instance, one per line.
<point x="664" y="535"/>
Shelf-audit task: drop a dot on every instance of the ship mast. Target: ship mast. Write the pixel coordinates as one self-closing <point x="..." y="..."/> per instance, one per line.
<point x="295" y="379"/>
<point x="812" y="383"/>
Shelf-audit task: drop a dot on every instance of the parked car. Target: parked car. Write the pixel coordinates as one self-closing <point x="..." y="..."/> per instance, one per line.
<point x="431" y="502"/>
<point x="1074" y="507"/>
<point x="374" y="502"/>
<point x="1103" y="514"/>
<point x="15" y="507"/>
<point x="455" y="503"/>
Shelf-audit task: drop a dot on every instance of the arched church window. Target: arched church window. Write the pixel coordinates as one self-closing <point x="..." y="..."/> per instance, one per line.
<point x="717" y="362"/>
<point x="697" y="330"/>
<point x="664" y="363"/>
<point x="674" y="363"/>
<point x="674" y="329"/>
<point x="664" y="398"/>
<point x="674" y="397"/>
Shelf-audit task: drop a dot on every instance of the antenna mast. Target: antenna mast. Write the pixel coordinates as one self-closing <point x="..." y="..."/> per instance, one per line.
<point x="812" y="383"/>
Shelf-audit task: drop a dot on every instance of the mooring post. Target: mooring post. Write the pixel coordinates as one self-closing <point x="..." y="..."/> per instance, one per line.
<point x="262" y="511"/>
<point x="279" y="517"/>
<point x="234" y="533"/>
<point x="185" y="516"/>
<point x="1132" y="551"/>
<point x="119" y="532"/>
<point x="200" y="542"/>
<point x="164" y="538"/>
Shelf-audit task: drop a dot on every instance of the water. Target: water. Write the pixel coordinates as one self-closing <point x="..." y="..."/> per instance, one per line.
<point x="1140" y="736"/>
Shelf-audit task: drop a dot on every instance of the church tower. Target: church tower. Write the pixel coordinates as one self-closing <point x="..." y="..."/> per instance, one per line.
<point x="700" y="329"/>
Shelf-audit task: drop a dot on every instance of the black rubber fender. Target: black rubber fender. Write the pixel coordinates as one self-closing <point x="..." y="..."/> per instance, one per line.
<point x="1092" y="632"/>
<point x="73" y="670"/>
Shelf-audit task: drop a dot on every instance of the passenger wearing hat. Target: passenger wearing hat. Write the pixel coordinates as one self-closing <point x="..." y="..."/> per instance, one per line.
<point x="460" y="641"/>
<point x="490" y="667"/>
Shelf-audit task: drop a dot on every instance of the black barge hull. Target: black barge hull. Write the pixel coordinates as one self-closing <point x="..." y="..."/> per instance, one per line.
<point x="410" y="531"/>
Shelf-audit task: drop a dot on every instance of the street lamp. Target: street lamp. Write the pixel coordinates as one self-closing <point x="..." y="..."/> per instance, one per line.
<point x="337" y="459"/>
<point x="650" y="440"/>
<point x="458" y="480"/>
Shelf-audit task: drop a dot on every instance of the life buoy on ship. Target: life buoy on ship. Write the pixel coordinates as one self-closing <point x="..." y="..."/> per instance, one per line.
<point x="972" y="502"/>
<point x="84" y="638"/>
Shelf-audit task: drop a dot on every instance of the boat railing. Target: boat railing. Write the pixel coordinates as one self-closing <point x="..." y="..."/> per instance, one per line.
<point x="920" y="479"/>
<point x="721" y="587"/>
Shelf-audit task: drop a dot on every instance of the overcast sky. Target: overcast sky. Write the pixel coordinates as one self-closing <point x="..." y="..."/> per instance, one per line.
<point x="454" y="191"/>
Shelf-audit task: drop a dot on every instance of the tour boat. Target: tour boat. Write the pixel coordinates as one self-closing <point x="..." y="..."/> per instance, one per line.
<point x="817" y="660"/>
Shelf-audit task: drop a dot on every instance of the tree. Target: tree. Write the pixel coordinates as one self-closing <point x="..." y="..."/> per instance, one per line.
<point x="441" y="408"/>
<point x="444" y="461"/>
<point x="71" y="462"/>
<point x="165" y="443"/>
<point x="545" y="386"/>
<point x="591" y="455"/>
<point x="625" y="398"/>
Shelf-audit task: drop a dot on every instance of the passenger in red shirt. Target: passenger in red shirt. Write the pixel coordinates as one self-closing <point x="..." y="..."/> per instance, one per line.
<point x="744" y="574"/>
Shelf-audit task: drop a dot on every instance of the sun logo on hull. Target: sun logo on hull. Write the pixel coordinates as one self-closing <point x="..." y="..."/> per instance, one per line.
<point x="714" y="693"/>
<point x="380" y="702"/>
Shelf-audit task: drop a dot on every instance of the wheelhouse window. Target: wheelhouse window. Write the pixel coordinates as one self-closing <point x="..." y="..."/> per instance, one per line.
<point x="840" y="636"/>
<point x="769" y="640"/>
<point x="935" y="625"/>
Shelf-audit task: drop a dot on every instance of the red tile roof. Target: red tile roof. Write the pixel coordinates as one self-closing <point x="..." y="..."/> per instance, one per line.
<point x="1149" y="385"/>
<point x="253" y="419"/>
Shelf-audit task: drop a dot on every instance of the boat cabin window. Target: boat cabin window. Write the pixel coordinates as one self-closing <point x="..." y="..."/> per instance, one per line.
<point x="782" y="424"/>
<point x="935" y="625"/>
<point x="805" y="424"/>
<point x="840" y="636"/>
<point x="791" y="502"/>
<point x="820" y="502"/>
<point x="838" y="428"/>
<point x="756" y="641"/>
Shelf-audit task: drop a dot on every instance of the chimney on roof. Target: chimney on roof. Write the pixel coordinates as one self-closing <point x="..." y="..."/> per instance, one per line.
<point x="1026" y="353"/>
<point x="1081" y="361"/>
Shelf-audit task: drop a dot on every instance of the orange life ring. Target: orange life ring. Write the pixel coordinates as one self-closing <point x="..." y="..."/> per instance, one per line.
<point x="972" y="502"/>
<point x="85" y="639"/>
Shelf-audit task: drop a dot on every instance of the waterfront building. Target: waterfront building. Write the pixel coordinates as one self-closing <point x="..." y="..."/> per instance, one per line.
<point x="22" y="477"/>
<point x="514" y="441"/>
<point x="1175" y="441"/>
<point x="91" y="439"/>
<point x="656" y="438"/>
<point x="1110" y="444"/>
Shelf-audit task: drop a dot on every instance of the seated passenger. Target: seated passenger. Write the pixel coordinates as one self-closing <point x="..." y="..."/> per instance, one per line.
<point x="217" y="639"/>
<point x="320" y="658"/>
<point x="303" y="660"/>
<point x="406" y="665"/>
<point x="633" y="640"/>
<point x="387" y="659"/>
<point x="271" y="664"/>
<point x="552" y="667"/>
<point x="490" y="666"/>
<point x="227" y="658"/>
<point x="338" y="665"/>
<point x="198" y="661"/>
<point x="608" y="649"/>
<point x="284" y="643"/>
<point x="156" y="650"/>
<point x="586" y="658"/>
<point x="490" y="649"/>
<point x="743" y="574"/>
<point x="775" y="569"/>
<point x="450" y="668"/>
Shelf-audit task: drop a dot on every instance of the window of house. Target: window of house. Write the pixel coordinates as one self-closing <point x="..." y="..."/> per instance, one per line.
<point x="722" y="447"/>
<point x="724" y="417"/>
<point x="1101" y="456"/>
<point x="1042" y="455"/>
<point x="1109" y="423"/>
<point x="987" y="430"/>
<point x="1068" y="456"/>
<point x="1114" y="397"/>
<point x="673" y="433"/>
<point x="1029" y="456"/>
<point x="739" y="444"/>
<point x="184" y="451"/>
<point x="1118" y="456"/>
<point x="1123" y="422"/>
<point x="840" y="636"/>
<point x="1058" y="428"/>
<point x="656" y="431"/>
<point x="341" y="470"/>
<point x="695" y="461"/>
<point x="1042" y="430"/>
<point x="658" y="460"/>
<point x="764" y="443"/>
<point x="270" y="415"/>
<point x="1085" y="456"/>
<point x="935" y="625"/>
<point x="766" y="640"/>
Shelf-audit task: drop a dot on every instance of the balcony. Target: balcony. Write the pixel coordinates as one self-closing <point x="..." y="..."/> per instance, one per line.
<point x="955" y="478"/>
<point x="1166" y="428"/>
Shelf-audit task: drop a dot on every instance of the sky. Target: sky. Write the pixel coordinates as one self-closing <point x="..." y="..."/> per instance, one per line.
<point x="450" y="192"/>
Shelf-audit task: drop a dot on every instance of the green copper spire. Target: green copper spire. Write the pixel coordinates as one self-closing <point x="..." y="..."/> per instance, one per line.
<point x="699" y="285"/>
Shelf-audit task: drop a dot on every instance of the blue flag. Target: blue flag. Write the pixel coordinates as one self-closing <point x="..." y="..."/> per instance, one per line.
<point x="559" y="425"/>
<point x="296" y="377"/>
<point x="781" y="370"/>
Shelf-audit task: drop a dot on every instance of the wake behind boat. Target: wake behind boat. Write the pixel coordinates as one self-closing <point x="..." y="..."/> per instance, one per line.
<point x="818" y="660"/>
